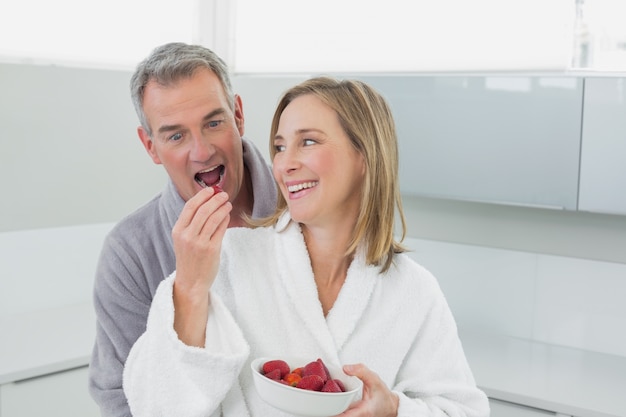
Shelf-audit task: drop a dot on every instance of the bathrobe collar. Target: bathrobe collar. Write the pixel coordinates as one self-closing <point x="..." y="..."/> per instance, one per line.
<point x="297" y="277"/>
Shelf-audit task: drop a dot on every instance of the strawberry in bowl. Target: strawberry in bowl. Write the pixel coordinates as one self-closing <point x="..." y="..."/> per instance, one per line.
<point x="305" y="387"/>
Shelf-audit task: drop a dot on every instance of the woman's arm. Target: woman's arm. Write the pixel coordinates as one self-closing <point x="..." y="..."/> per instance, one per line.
<point x="164" y="376"/>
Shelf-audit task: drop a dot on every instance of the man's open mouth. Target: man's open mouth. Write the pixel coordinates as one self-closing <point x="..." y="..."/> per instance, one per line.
<point x="210" y="177"/>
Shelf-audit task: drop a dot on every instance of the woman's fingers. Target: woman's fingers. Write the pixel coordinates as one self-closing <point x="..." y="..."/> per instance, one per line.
<point x="377" y="400"/>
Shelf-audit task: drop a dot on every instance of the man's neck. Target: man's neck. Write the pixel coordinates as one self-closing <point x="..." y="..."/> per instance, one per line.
<point x="243" y="203"/>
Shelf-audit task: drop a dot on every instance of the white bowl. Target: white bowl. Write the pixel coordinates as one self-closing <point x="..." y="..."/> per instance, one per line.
<point x="304" y="402"/>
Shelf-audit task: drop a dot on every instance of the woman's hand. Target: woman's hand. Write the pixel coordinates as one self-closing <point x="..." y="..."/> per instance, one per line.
<point x="197" y="238"/>
<point x="377" y="400"/>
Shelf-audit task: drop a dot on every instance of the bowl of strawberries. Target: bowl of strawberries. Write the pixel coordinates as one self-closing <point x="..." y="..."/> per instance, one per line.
<point x="305" y="387"/>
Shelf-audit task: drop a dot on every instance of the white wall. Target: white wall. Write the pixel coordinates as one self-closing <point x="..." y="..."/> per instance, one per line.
<point x="70" y="152"/>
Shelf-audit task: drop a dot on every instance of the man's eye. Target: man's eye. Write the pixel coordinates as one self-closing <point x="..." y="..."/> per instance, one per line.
<point x="214" y="123"/>
<point x="308" y="142"/>
<point x="176" y="137"/>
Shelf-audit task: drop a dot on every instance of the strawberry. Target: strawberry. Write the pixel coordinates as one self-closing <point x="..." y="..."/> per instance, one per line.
<point x="276" y="364"/>
<point x="316" y="368"/>
<point x="325" y="368"/>
<point x="274" y="374"/>
<point x="292" y="379"/>
<point x="331" y="386"/>
<point x="216" y="189"/>
<point x="311" y="383"/>
<point x="340" y="384"/>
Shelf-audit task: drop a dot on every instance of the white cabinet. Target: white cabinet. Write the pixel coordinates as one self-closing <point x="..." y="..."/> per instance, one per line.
<point x="507" y="409"/>
<point x="60" y="394"/>
<point x="499" y="139"/>
<point x="603" y="158"/>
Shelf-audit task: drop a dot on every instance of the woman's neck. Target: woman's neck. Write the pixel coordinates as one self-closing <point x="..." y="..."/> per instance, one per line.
<point x="327" y="251"/>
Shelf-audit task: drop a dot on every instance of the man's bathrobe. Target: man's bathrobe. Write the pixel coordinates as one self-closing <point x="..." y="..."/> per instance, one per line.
<point x="264" y="302"/>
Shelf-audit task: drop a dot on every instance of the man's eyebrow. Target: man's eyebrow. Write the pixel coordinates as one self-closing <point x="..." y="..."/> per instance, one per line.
<point x="216" y="112"/>
<point x="208" y="116"/>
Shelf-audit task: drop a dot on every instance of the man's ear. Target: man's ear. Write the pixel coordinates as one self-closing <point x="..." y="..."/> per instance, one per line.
<point x="239" y="120"/>
<point x="146" y="140"/>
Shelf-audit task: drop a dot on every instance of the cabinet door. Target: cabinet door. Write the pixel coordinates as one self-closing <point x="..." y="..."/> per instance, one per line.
<point x="513" y="140"/>
<point x="61" y="394"/>
<point x="506" y="409"/>
<point x="603" y="157"/>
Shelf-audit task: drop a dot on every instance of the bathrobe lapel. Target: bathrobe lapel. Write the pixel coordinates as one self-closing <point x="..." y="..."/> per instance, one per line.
<point x="296" y="275"/>
<point x="353" y="300"/>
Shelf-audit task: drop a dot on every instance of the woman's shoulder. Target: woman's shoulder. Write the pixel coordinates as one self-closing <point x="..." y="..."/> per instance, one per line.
<point x="407" y="269"/>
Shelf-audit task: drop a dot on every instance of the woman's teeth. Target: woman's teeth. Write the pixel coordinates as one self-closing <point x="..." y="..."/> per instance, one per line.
<point x="301" y="186"/>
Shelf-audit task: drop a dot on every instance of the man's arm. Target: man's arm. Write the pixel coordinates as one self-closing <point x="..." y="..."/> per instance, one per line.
<point x="121" y="307"/>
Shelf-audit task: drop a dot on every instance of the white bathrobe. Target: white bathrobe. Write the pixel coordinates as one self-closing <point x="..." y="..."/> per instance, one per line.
<point x="264" y="302"/>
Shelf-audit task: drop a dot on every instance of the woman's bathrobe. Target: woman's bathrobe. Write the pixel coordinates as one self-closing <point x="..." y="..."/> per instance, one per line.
<point x="264" y="302"/>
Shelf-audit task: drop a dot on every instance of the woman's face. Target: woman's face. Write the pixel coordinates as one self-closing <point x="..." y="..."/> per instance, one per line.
<point x="318" y="171"/>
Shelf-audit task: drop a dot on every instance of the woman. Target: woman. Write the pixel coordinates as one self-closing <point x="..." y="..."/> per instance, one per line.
<point x="323" y="277"/>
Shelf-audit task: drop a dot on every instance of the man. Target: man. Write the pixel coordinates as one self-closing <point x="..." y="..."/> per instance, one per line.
<point x="191" y="123"/>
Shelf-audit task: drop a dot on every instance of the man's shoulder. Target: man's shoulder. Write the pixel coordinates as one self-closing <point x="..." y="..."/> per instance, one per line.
<point x="146" y="220"/>
<point x="263" y="184"/>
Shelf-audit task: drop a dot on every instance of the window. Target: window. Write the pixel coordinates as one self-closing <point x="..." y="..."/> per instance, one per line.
<point x="600" y="37"/>
<point x="325" y="36"/>
<point x="403" y="35"/>
<point x="112" y="33"/>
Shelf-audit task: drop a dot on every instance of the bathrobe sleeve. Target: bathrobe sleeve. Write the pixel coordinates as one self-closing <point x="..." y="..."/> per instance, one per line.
<point x="164" y="377"/>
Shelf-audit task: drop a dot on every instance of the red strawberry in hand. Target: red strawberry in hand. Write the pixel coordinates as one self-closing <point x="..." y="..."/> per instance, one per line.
<point x="311" y="382"/>
<point x="216" y="189"/>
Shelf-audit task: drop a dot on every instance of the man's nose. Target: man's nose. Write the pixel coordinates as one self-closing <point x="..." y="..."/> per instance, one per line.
<point x="201" y="148"/>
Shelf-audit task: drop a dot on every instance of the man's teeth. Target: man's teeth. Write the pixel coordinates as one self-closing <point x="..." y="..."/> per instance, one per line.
<point x="301" y="186"/>
<point x="202" y="183"/>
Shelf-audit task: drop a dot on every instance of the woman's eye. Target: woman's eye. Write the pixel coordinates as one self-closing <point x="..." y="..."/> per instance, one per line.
<point x="308" y="142"/>
<point x="279" y="148"/>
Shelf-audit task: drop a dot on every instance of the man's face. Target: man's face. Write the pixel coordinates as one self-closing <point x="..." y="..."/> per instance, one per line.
<point x="195" y="134"/>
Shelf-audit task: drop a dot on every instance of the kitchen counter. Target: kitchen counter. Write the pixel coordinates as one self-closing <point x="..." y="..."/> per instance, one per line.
<point x="46" y="341"/>
<point x="563" y="380"/>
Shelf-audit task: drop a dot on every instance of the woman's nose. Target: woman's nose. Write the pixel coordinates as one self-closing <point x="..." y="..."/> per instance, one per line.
<point x="286" y="161"/>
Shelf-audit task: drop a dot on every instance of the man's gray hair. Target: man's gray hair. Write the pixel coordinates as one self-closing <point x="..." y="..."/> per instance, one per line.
<point x="168" y="64"/>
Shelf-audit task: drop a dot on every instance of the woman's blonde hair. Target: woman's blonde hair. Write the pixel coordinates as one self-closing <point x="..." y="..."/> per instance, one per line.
<point x="366" y="118"/>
